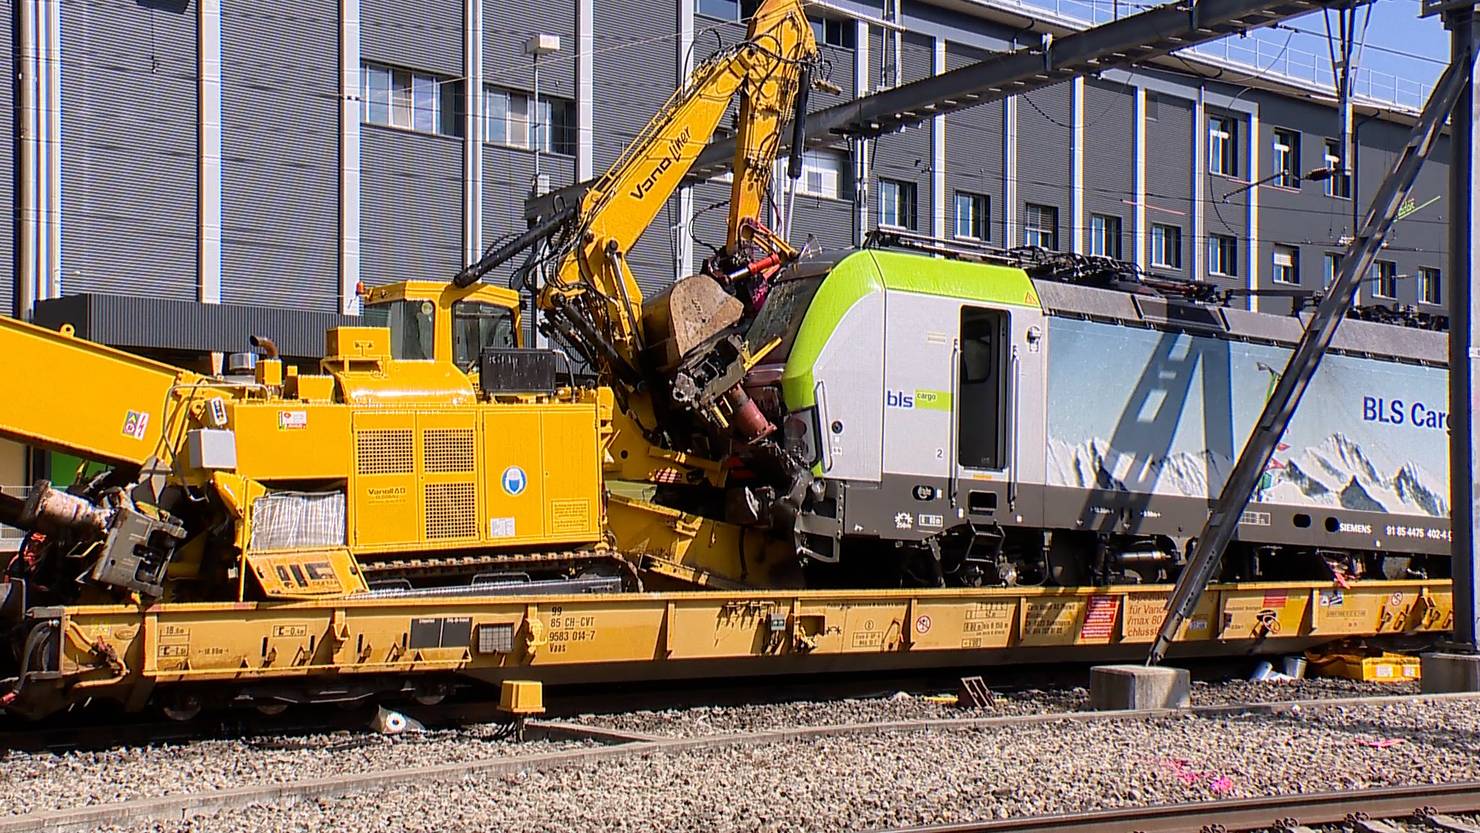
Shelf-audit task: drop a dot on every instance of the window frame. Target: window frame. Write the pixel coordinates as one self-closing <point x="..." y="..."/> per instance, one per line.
<point x="980" y="221"/>
<point x="810" y="166"/>
<point x="547" y="125"/>
<point x="905" y="199"/>
<point x="1385" y="277"/>
<point x="1034" y="229"/>
<point x="822" y="29"/>
<point x="1431" y="277"/>
<point x="1289" y="172"/>
<point x="1330" y="268"/>
<point x="1225" y="247"/>
<point x="1159" y="244"/>
<point x="405" y="99"/>
<point x="1338" y="186"/>
<point x="1101" y="236"/>
<point x="1222" y="137"/>
<point x="1292" y="271"/>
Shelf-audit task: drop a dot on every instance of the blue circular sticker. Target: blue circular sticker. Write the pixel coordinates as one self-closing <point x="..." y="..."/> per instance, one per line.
<point x="514" y="481"/>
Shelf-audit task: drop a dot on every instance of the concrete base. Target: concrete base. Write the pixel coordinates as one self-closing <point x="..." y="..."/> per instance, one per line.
<point x="1115" y="687"/>
<point x="1449" y="673"/>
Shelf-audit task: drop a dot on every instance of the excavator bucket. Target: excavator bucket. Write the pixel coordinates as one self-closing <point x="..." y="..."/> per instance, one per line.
<point x="684" y="316"/>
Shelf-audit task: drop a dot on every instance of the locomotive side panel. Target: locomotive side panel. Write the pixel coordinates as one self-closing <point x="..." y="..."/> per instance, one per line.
<point x="1144" y="425"/>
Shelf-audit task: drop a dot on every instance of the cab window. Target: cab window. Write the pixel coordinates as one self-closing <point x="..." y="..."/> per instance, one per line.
<point x="476" y="325"/>
<point x="413" y="326"/>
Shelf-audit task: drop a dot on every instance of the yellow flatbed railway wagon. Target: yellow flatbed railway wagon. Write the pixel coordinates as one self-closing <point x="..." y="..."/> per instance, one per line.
<point x="189" y="655"/>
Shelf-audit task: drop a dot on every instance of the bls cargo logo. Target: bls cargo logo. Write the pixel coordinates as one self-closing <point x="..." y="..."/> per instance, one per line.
<point x="1398" y="412"/>
<point x="927" y="400"/>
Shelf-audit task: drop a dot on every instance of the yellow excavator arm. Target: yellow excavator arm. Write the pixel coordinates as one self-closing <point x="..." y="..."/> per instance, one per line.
<point x="766" y="69"/>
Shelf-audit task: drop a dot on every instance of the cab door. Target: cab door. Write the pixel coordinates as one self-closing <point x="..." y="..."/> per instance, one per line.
<point x="984" y="416"/>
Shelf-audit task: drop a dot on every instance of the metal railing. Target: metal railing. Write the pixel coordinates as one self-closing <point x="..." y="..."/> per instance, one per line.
<point x="1265" y="53"/>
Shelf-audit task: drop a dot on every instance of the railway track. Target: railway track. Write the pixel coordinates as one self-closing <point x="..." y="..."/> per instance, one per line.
<point x="565" y="746"/>
<point x="1368" y="811"/>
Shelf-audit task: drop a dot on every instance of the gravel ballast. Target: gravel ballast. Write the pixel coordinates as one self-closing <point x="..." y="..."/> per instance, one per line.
<point x="705" y="720"/>
<point x="48" y="781"/>
<point x="875" y="780"/>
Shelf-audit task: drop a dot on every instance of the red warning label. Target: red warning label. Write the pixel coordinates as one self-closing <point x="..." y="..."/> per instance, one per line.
<point x="922" y="625"/>
<point x="1099" y="617"/>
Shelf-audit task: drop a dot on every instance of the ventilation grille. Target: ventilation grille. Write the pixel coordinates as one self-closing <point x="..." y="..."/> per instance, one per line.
<point x="450" y="510"/>
<point x="448" y="450"/>
<point x="384" y="452"/>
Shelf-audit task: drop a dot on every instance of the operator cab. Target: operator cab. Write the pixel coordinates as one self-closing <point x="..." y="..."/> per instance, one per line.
<point x="435" y="321"/>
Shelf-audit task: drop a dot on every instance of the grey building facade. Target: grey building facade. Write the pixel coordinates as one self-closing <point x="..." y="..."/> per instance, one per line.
<point x="258" y="155"/>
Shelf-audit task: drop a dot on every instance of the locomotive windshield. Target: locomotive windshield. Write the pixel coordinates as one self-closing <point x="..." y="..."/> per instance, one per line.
<point x="781" y="316"/>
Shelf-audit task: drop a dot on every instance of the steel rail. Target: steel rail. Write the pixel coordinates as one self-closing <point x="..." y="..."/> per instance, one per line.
<point x="615" y="745"/>
<point x="1242" y="814"/>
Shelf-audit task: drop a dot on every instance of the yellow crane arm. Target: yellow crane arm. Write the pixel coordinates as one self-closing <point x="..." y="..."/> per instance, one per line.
<point x="765" y="69"/>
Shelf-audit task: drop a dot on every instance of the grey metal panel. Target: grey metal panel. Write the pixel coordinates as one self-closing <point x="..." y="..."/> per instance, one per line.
<point x="635" y="71"/>
<point x="822" y="222"/>
<point x="8" y="283"/>
<point x="906" y="155"/>
<point x="1303" y="217"/>
<point x="711" y="210"/>
<point x="129" y="148"/>
<point x="410" y="206"/>
<point x="507" y="174"/>
<point x="974" y="150"/>
<point x="1043" y="157"/>
<point x="1085" y="300"/>
<point x="1364" y="337"/>
<point x="1110" y="158"/>
<point x="416" y="34"/>
<point x="1169" y="170"/>
<point x="1419" y="239"/>
<point x="280" y="154"/>
<point x="507" y="28"/>
<point x="136" y="321"/>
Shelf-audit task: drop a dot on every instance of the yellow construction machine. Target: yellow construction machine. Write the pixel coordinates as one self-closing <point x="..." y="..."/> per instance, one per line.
<point x="431" y="454"/>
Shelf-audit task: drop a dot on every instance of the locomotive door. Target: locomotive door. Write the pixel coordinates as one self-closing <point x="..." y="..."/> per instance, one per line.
<point x="984" y="415"/>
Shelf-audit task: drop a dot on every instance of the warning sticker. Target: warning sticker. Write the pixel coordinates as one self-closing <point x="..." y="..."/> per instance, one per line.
<point x="500" y="527"/>
<point x="570" y="515"/>
<point x="135" y="423"/>
<point x="922" y="625"/>
<point x="292" y="420"/>
<point x="1099" y="617"/>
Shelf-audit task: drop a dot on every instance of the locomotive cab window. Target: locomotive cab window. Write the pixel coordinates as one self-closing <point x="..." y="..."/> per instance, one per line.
<point x="982" y="389"/>
<point x="476" y="325"/>
<point x="413" y="326"/>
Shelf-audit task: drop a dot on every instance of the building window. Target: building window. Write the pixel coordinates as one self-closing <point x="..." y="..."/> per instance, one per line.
<point x="410" y="100"/>
<point x="1166" y="246"/>
<point x="1330" y="267"/>
<point x="1222" y="255"/>
<point x="1041" y="227"/>
<point x="973" y="213"/>
<point x="736" y="10"/>
<point x="1286" y="265"/>
<point x="1104" y="235"/>
<point x="1287" y="158"/>
<point x="1222" y="146"/>
<point x="1339" y="185"/>
<point x="1385" y="279"/>
<point x="897" y="204"/>
<point x="833" y="32"/>
<point x="1153" y="108"/>
<point x="1430" y="290"/>
<point x="823" y="174"/>
<point x="511" y="122"/>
